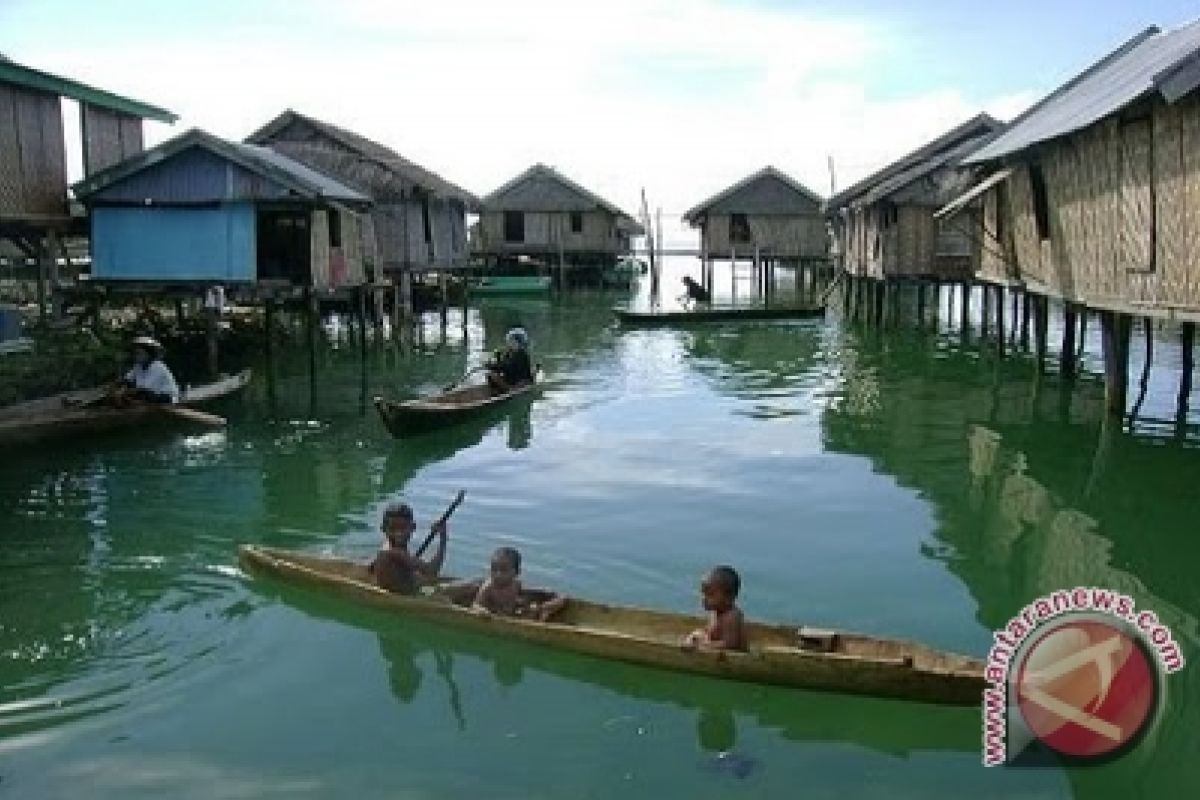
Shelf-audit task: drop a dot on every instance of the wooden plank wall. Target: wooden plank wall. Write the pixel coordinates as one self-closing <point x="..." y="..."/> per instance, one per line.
<point x="801" y="236"/>
<point x="108" y="137"/>
<point x="33" y="173"/>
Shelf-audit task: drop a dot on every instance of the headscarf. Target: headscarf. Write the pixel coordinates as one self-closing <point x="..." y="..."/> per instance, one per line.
<point x="518" y="338"/>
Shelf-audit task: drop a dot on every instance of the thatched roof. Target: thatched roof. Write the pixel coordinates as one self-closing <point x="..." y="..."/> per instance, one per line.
<point x="29" y="78"/>
<point x="368" y="149"/>
<point x="748" y="196"/>
<point x="542" y="188"/>
<point x="948" y="149"/>
<point x="1154" y="61"/>
<point x="293" y="175"/>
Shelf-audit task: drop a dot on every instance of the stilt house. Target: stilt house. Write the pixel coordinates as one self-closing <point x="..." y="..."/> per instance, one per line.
<point x="199" y="210"/>
<point x="418" y="219"/>
<point x="544" y="215"/>
<point x="768" y="213"/>
<point x="1092" y="195"/>
<point x="885" y="225"/>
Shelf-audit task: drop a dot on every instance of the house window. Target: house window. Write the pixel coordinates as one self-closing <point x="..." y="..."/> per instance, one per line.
<point x="1041" y="205"/>
<point x="739" y="228"/>
<point x="335" y="228"/>
<point x="428" y="229"/>
<point x="514" y="226"/>
<point x="576" y="222"/>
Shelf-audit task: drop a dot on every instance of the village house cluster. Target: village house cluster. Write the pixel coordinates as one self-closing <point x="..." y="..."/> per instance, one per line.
<point x="1087" y="199"/>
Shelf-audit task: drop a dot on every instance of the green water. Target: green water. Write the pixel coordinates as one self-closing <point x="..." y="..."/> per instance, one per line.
<point x="901" y="484"/>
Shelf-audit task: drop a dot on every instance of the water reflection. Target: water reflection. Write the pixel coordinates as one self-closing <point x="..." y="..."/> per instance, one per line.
<point x="881" y="725"/>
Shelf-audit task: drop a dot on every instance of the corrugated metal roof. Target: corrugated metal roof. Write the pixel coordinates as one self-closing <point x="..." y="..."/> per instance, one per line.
<point x="275" y="166"/>
<point x="20" y="75"/>
<point x="1149" y="62"/>
<point x="368" y="148"/>
<point x="496" y="200"/>
<point x="945" y="149"/>
<point x="698" y="210"/>
<point x="321" y="184"/>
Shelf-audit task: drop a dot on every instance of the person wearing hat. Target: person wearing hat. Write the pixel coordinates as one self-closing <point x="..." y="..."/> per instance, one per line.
<point x="511" y="367"/>
<point x="150" y="380"/>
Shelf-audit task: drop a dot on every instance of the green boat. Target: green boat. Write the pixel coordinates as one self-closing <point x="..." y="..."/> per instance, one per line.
<point x="511" y="284"/>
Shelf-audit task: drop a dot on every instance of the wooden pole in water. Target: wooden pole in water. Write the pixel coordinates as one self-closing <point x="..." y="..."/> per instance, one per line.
<point x="1187" y="339"/>
<point x="1015" y="317"/>
<point x="1067" y="360"/>
<point x="920" y="304"/>
<point x="964" y="319"/>
<point x="985" y="311"/>
<point x="1147" y="360"/>
<point x="312" y="313"/>
<point x="269" y="348"/>
<point x="1083" y="321"/>
<point x="1000" y="321"/>
<point x="1115" y="332"/>
<point x="1025" y="309"/>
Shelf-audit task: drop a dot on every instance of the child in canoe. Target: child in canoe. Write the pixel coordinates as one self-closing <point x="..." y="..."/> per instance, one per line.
<point x="394" y="568"/>
<point x="726" y="629"/>
<point x="501" y="593"/>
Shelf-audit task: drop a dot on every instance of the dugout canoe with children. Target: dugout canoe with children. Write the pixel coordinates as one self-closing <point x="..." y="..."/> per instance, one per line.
<point x="722" y="645"/>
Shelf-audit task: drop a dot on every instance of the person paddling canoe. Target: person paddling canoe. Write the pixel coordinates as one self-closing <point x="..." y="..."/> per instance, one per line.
<point x="149" y="381"/>
<point x="511" y="366"/>
<point x="394" y="568"/>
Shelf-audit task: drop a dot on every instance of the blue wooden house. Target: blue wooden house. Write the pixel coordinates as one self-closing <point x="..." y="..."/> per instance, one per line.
<point x="201" y="210"/>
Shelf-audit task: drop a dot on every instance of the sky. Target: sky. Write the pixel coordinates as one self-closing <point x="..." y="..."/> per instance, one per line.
<point x="679" y="99"/>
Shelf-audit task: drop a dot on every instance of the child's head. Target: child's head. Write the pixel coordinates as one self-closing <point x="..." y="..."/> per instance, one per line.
<point x="719" y="589"/>
<point x="506" y="565"/>
<point x="398" y="524"/>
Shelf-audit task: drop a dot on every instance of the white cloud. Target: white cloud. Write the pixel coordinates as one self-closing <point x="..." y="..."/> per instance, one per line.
<point x="681" y="99"/>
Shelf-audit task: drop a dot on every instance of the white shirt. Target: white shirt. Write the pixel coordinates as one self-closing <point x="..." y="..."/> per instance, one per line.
<point x="154" y="377"/>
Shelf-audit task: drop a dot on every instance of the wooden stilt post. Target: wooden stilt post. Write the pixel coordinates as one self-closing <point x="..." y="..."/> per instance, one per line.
<point x="1041" y="327"/>
<point x="964" y="310"/>
<point x="361" y="297"/>
<point x="1187" y="339"/>
<point x="312" y="314"/>
<point x="269" y="348"/>
<point x="1083" y="322"/>
<point x="1115" y="331"/>
<point x="1025" y="308"/>
<point x="1147" y="361"/>
<point x="880" y="300"/>
<point x="1014" y="317"/>
<point x="920" y="304"/>
<point x="212" y="317"/>
<point x="985" y="311"/>
<point x="936" y="304"/>
<point x="1067" y="359"/>
<point x="1000" y="321"/>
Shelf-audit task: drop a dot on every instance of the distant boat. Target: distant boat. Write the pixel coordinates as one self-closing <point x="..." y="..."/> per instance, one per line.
<point x="511" y="284"/>
<point x="706" y="314"/>
<point x="80" y="412"/>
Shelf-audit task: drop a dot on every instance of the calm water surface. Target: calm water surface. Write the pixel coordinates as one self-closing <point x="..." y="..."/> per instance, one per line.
<point x="899" y="484"/>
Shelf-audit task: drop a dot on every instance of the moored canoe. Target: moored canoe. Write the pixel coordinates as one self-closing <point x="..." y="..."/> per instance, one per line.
<point x="779" y="654"/>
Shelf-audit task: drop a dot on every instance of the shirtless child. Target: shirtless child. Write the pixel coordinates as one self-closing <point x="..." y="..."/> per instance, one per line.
<point x="726" y="629"/>
<point x="500" y="592"/>
<point x="394" y="568"/>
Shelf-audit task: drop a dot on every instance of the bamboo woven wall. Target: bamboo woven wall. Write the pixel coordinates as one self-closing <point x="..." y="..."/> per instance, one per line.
<point x="907" y="247"/>
<point x="1123" y="198"/>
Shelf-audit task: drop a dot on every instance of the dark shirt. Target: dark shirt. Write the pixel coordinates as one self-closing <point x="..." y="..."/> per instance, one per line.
<point x="515" y="367"/>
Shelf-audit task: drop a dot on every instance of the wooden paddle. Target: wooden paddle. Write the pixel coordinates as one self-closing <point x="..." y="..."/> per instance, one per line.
<point x="433" y="532"/>
<point x="192" y="415"/>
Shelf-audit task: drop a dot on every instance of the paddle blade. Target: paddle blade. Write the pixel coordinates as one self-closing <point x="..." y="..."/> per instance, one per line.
<point x="193" y="415"/>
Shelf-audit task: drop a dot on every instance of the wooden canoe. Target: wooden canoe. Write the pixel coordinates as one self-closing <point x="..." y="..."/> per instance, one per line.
<point x="511" y="284"/>
<point x="69" y="414"/>
<point x="704" y="315"/>
<point x="413" y="417"/>
<point x="779" y="654"/>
